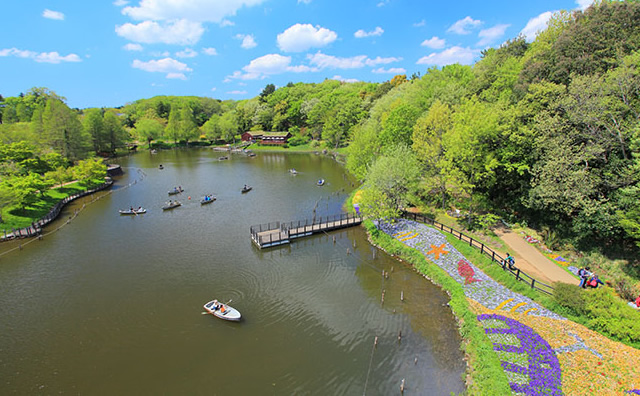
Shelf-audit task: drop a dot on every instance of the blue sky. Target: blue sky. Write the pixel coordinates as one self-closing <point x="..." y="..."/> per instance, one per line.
<point x="108" y="53"/>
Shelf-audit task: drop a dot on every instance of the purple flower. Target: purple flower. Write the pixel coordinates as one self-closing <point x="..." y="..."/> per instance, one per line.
<point x="543" y="368"/>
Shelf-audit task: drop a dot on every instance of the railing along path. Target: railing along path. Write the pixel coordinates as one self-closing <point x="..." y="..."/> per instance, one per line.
<point x="495" y="257"/>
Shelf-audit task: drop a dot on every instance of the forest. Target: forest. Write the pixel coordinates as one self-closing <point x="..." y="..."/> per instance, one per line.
<point x="546" y="133"/>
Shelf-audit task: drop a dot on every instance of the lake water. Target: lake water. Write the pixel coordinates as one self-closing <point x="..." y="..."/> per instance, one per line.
<point x="112" y="304"/>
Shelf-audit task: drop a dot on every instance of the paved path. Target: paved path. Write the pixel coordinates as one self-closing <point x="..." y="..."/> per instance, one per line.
<point x="531" y="261"/>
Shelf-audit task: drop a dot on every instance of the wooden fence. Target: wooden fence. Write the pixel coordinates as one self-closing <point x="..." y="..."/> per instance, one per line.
<point x="36" y="228"/>
<point x="495" y="257"/>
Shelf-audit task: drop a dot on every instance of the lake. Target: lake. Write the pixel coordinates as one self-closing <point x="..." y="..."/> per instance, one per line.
<point x="112" y="304"/>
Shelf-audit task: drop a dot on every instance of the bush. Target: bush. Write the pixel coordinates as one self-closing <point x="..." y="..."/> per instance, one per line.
<point x="571" y="297"/>
<point x="297" y="141"/>
<point x="612" y="316"/>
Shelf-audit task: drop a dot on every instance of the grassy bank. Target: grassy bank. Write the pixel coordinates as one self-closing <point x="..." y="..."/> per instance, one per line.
<point x="485" y="374"/>
<point x="16" y="217"/>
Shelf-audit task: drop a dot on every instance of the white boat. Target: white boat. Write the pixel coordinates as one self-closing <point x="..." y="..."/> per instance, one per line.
<point x="171" y="205"/>
<point x="133" y="211"/>
<point x="246" y="189"/>
<point x="293" y="171"/>
<point x="222" y="311"/>
<point x="321" y="182"/>
<point x="176" y="190"/>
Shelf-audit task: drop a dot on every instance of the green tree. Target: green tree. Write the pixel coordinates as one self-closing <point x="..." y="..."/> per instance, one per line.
<point x="148" y="129"/>
<point x="63" y="132"/>
<point x="389" y="180"/>
<point x="93" y="124"/>
<point x="173" y="126"/>
<point x="188" y="127"/>
<point x="212" y="129"/>
<point x="397" y="126"/>
<point x="90" y="172"/>
<point x="115" y="133"/>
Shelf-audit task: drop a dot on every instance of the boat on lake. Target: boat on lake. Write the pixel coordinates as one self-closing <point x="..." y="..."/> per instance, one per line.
<point x="222" y="311"/>
<point x="246" y="188"/>
<point x="223" y="158"/>
<point x="160" y="166"/>
<point x="293" y="171"/>
<point x="320" y="182"/>
<point x="140" y="210"/>
<point x="176" y="190"/>
<point x="171" y="205"/>
<point x="207" y="199"/>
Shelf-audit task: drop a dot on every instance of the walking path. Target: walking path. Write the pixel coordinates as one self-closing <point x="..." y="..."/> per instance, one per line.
<point x="532" y="261"/>
<point x="542" y="353"/>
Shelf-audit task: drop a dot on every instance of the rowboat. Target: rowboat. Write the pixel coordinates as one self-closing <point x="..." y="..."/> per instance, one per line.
<point x="171" y="205"/>
<point x="207" y="199"/>
<point x="133" y="211"/>
<point x="224" y="311"/>
<point x="320" y="182"/>
<point x="175" y="191"/>
<point x="293" y="171"/>
<point x="246" y="189"/>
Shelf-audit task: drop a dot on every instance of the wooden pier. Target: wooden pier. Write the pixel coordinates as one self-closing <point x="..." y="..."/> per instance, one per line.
<point x="274" y="234"/>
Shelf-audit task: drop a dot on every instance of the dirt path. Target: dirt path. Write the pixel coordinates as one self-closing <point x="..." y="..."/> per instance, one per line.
<point x="531" y="261"/>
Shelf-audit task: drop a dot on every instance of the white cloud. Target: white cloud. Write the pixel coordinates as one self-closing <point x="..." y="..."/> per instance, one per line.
<point x="226" y="22"/>
<point x="434" y="42"/>
<point x="362" y="34"/>
<point x="182" y="32"/>
<point x="42" y="57"/>
<point x="187" y="53"/>
<point x="176" y="76"/>
<point x="420" y="24"/>
<point x="268" y="65"/>
<point x="491" y="34"/>
<point x="304" y="1"/>
<point x="536" y="25"/>
<point x="160" y="54"/>
<point x="381" y="61"/>
<point x="248" y="41"/>
<point x="120" y="3"/>
<point x="299" y="38"/>
<point x="132" y="47"/>
<point x="346" y="80"/>
<point x="324" y="61"/>
<point x="462" y="26"/>
<point x="53" y="14"/>
<point x="464" y="56"/>
<point x="214" y="89"/>
<point x="583" y="4"/>
<point x="193" y="10"/>
<point x="392" y="70"/>
<point x="174" y="69"/>
<point x="237" y="92"/>
<point x="210" y="51"/>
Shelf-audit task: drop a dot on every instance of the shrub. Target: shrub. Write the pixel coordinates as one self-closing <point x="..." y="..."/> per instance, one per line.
<point x="297" y="141"/>
<point x="612" y="316"/>
<point x="571" y="297"/>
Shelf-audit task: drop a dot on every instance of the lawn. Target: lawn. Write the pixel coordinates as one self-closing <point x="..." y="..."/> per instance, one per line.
<point x="16" y="217"/>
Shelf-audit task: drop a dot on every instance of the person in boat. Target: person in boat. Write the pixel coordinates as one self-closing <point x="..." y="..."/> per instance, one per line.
<point x="216" y="305"/>
<point x="139" y="208"/>
<point x="131" y="208"/>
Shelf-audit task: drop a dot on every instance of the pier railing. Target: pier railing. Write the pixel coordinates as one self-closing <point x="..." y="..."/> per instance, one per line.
<point x="495" y="257"/>
<point x="277" y="233"/>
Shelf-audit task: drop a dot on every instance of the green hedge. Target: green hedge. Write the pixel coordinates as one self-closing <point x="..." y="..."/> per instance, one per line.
<point x="485" y="373"/>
